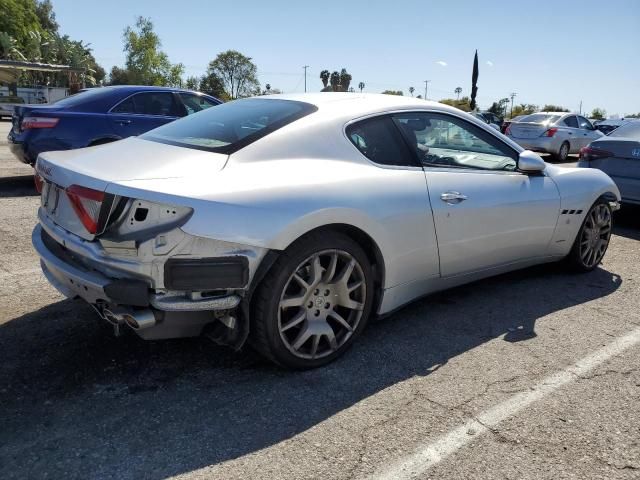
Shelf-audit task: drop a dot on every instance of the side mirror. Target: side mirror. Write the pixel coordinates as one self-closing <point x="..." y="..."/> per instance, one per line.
<point x="530" y="162"/>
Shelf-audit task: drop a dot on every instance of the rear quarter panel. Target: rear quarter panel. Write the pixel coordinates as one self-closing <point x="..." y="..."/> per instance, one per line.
<point x="272" y="204"/>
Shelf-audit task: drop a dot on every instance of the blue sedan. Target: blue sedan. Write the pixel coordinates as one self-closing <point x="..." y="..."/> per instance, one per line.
<point x="99" y="115"/>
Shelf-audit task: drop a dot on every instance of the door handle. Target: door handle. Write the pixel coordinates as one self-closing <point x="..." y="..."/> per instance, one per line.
<point x="123" y="122"/>
<point x="453" y="198"/>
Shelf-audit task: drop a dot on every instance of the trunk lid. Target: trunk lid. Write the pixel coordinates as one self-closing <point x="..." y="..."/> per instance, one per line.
<point x="126" y="160"/>
<point x="527" y="130"/>
<point x="31" y="109"/>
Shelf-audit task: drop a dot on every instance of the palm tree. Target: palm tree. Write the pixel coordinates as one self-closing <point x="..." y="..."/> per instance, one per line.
<point x="345" y="80"/>
<point x="411" y="90"/>
<point x="324" y="76"/>
<point x="458" y="91"/>
<point x="361" y="86"/>
<point x="335" y="81"/>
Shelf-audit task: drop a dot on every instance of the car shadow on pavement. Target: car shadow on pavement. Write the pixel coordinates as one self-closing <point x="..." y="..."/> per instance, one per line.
<point x="77" y="402"/>
<point x="20" y="186"/>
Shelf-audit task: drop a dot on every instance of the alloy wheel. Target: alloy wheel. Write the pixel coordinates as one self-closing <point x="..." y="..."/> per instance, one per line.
<point x="595" y="235"/>
<point x="322" y="304"/>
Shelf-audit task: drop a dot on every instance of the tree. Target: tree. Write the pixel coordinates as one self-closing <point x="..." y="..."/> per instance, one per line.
<point x="324" y="76"/>
<point x="553" y="108"/>
<point x="458" y="91"/>
<point x="474" y="82"/>
<point x="345" y="80"/>
<point x="146" y="64"/>
<point x="361" y="86"/>
<point x="599" y="113"/>
<point x="393" y="92"/>
<point x="334" y="80"/>
<point x="523" y="109"/>
<point x="46" y="16"/>
<point x="212" y="85"/>
<point x="411" y="90"/>
<point x="463" y="104"/>
<point x="192" y="83"/>
<point x="496" y="108"/>
<point x="238" y="74"/>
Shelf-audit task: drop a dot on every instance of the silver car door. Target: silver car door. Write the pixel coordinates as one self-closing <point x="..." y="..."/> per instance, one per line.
<point x="486" y="213"/>
<point x="587" y="131"/>
<point x="573" y="133"/>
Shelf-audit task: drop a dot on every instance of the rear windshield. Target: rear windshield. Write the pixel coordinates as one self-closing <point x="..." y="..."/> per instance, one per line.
<point x="629" y="130"/>
<point x="230" y="126"/>
<point x="82" y="97"/>
<point x="540" y="118"/>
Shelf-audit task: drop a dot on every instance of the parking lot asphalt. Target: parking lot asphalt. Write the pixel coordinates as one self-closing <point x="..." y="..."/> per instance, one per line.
<point x="529" y="375"/>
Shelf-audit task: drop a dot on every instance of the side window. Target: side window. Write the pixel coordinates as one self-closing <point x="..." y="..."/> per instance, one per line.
<point x="126" y="106"/>
<point x="571" y="122"/>
<point x="584" y="123"/>
<point x="441" y="140"/>
<point x="379" y="140"/>
<point x="156" y="103"/>
<point x="195" y="103"/>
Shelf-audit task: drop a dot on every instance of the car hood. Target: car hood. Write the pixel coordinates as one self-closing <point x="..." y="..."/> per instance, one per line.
<point x="127" y="160"/>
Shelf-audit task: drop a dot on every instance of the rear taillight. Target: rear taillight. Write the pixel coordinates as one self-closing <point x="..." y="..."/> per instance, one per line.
<point x="550" y="133"/>
<point x="37" y="179"/>
<point x="507" y="131"/>
<point x="38" y="122"/>
<point x="588" y="154"/>
<point x="87" y="203"/>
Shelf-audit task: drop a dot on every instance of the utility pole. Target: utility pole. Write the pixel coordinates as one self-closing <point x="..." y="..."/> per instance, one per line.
<point x="580" y="107"/>
<point x="305" y="77"/>
<point x="426" y="86"/>
<point x="513" y="95"/>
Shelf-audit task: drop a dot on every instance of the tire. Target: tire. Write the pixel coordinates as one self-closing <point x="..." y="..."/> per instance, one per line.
<point x="563" y="152"/>
<point x="305" y="313"/>
<point x="592" y="240"/>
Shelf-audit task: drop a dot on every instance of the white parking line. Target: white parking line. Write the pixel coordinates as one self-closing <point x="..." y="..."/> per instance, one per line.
<point x="428" y="455"/>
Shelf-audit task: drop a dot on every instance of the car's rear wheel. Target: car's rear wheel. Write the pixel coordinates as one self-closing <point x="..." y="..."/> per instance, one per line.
<point x="563" y="152"/>
<point x="314" y="301"/>
<point x="593" y="237"/>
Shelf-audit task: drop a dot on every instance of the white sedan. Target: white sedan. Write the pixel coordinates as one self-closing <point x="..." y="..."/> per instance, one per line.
<point x="289" y="220"/>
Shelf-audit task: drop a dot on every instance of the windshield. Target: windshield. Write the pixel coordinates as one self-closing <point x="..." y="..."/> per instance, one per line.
<point x="230" y="126"/>
<point x="629" y="130"/>
<point x="540" y="118"/>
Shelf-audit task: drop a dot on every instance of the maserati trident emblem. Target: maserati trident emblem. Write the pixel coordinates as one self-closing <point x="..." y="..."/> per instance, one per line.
<point x="635" y="152"/>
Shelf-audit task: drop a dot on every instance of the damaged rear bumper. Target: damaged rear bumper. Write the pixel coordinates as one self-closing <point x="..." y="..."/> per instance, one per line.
<point x="123" y="290"/>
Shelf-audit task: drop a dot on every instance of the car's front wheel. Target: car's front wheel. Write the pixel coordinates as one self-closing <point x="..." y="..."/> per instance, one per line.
<point x="593" y="237"/>
<point x="314" y="301"/>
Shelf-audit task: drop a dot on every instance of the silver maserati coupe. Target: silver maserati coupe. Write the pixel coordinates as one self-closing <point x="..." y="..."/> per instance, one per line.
<point x="289" y="220"/>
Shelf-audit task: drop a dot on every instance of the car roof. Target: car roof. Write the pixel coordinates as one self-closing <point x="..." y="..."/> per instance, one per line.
<point x="359" y="104"/>
<point x="141" y="88"/>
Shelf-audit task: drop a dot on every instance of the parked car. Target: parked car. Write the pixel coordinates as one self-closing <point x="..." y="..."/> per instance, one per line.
<point x="506" y="123"/>
<point x="482" y="117"/>
<point x="7" y="105"/>
<point x="557" y="133"/>
<point x="492" y="118"/>
<point x="618" y="155"/>
<point x="99" y="115"/>
<point x="609" y="125"/>
<point x="291" y="219"/>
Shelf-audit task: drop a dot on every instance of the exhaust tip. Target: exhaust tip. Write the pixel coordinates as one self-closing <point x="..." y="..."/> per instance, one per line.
<point x="139" y="320"/>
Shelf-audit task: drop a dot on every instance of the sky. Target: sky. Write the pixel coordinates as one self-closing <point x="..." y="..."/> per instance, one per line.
<point x="561" y="52"/>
